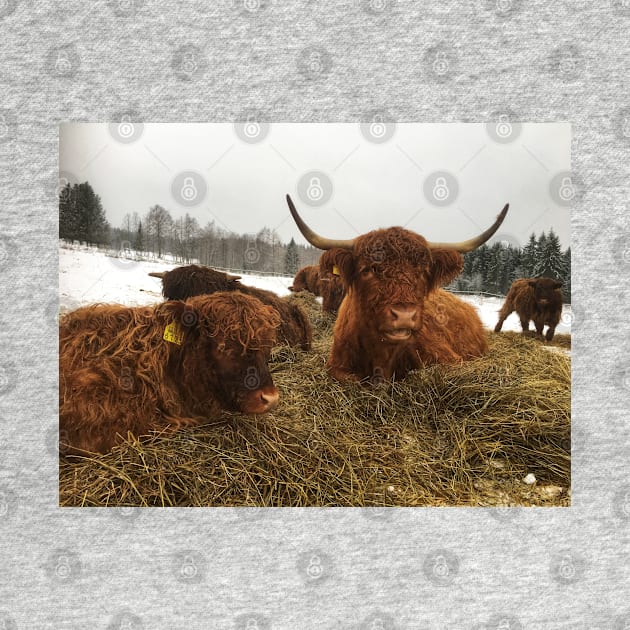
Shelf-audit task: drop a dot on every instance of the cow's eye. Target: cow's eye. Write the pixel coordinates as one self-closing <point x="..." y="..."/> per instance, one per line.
<point x="366" y="271"/>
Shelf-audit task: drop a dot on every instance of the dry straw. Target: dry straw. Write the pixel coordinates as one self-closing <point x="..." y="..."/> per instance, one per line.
<point x="444" y="436"/>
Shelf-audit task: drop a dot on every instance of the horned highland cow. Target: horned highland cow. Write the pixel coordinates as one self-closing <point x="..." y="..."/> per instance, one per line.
<point x="394" y="317"/>
<point x="159" y="367"/>
<point x="537" y="299"/>
<point x="190" y="280"/>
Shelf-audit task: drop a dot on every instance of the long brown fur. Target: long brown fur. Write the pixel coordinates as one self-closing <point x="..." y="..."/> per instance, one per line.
<point x="190" y="280"/>
<point x="393" y="267"/>
<point x="331" y="285"/>
<point x="117" y="374"/>
<point x="537" y="299"/>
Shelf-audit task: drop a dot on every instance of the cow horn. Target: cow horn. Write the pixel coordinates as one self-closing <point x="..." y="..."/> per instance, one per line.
<point x="230" y="277"/>
<point x="315" y="239"/>
<point x="473" y="243"/>
<point x="158" y="274"/>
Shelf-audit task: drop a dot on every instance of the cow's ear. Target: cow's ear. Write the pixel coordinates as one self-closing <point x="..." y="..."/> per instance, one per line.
<point x="339" y="262"/>
<point x="446" y="265"/>
<point x="557" y="284"/>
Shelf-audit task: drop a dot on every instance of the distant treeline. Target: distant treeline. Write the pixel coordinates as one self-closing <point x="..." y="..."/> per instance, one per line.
<point x="493" y="268"/>
<point x="489" y="269"/>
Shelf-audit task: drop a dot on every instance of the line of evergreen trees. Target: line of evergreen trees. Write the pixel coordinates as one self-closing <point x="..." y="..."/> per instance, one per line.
<point x="488" y="269"/>
<point x="493" y="268"/>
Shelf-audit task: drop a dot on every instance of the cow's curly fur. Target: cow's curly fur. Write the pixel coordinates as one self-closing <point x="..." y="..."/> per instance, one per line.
<point x="118" y="374"/>
<point x="190" y="280"/>
<point x="392" y="267"/>
<point x="537" y="299"/>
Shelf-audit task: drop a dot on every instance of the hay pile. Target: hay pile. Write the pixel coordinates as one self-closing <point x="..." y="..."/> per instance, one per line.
<point x="464" y="435"/>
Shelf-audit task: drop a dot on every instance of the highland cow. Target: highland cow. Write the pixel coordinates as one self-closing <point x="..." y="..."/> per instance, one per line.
<point x="537" y="299"/>
<point x="394" y="317"/>
<point x="320" y="281"/>
<point x="134" y="370"/>
<point x="184" y="282"/>
<point x="307" y="279"/>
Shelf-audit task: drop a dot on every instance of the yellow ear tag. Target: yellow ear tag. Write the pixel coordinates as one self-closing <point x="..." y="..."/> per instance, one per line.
<point x="336" y="270"/>
<point x="174" y="333"/>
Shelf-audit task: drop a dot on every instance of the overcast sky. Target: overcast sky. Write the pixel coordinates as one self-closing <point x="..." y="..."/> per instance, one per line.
<point x="444" y="181"/>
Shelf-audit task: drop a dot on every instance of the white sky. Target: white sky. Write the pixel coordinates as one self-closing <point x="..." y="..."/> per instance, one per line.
<point x="374" y="185"/>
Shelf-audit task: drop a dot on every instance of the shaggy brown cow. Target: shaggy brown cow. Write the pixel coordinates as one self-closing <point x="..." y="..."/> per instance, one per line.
<point x="307" y="279"/>
<point x="394" y="317"/>
<point x="148" y="368"/>
<point x="331" y="283"/>
<point x="538" y="299"/>
<point x="184" y="282"/>
<point x="320" y="281"/>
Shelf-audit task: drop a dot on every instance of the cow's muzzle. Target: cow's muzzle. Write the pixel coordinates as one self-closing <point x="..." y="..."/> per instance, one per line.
<point x="402" y="321"/>
<point x="260" y="400"/>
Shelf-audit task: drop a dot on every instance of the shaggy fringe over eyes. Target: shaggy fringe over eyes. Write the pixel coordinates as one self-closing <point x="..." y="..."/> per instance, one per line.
<point x="240" y="319"/>
<point x="394" y="245"/>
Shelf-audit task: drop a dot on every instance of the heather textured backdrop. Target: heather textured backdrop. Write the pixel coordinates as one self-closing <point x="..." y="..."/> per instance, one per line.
<point x="324" y="61"/>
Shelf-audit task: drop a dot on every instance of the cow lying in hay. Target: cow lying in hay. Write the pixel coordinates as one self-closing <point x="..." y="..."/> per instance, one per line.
<point x="538" y="299"/>
<point x="320" y="280"/>
<point x="139" y="369"/>
<point x="394" y="317"/>
<point x="184" y="282"/>
<point x="307" y="279"/>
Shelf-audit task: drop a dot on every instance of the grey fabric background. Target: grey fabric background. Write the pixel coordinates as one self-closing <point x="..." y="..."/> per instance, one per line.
<point x="224" y="568"/>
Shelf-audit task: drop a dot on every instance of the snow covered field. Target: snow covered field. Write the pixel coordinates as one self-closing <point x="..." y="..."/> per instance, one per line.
<point x="88" y="276"/>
